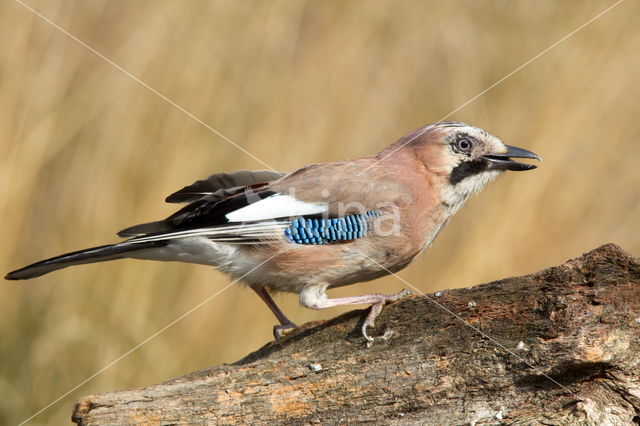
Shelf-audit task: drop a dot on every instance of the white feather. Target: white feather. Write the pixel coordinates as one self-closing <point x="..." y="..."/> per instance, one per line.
<point x="273" y="207"/>
<point x="263" y="230"/>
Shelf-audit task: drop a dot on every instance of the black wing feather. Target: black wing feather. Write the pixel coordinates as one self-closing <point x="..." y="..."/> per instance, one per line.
<point x="221" y="185"/>
<point x="209" y="201"/>
<point x="205" y="212"/>
<point x="210" y="211"/>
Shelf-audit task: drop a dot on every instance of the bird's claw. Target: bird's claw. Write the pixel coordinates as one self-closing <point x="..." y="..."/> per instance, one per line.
<point x="281" y="329"/>
<point x="377" y="308"/>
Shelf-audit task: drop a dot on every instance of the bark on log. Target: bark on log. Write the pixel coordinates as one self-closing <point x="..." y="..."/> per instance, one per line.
<point x="560" y="346"/>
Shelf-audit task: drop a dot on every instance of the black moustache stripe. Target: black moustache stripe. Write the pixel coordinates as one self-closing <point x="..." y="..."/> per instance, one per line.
<point x="466" y="169"/>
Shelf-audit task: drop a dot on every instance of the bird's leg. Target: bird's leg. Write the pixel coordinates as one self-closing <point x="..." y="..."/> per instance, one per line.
<point x="285" y="322"/>
<point x="314" y="297"/>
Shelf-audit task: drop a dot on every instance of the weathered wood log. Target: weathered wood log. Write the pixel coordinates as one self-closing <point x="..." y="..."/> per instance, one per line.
<point x="560" y="346"/>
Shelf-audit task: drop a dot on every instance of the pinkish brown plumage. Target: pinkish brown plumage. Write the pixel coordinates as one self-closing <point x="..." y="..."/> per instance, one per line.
<point x="322" y="226"/>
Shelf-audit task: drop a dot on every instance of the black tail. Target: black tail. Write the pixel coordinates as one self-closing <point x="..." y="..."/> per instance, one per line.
<point x="90" y="255"/>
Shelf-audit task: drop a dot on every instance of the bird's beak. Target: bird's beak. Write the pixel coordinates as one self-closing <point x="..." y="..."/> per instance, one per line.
<point x="503" y="161"/>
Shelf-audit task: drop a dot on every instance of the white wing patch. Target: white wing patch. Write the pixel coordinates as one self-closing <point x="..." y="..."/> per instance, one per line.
<point x="273" y="207"/>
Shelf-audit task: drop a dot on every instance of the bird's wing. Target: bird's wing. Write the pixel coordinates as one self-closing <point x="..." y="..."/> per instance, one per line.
<point x="314" y="197"/>
<point x="255" y="215"/>
<point x="333" y="190"/>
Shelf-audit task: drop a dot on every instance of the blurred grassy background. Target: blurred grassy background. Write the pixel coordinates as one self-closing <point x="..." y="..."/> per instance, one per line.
<point x="86" y="151"/>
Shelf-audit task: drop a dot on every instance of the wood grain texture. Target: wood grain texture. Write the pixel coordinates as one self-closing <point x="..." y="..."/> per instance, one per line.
<point x="577" y="324"/>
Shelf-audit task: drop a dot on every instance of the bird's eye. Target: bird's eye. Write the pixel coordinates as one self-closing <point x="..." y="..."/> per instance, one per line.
<point x="463" y="145"/>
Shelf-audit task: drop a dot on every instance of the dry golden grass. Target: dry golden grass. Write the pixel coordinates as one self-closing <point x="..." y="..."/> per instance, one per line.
<point x="86" y="151"/>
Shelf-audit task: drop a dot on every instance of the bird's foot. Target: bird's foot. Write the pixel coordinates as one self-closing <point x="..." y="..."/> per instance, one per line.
<point x="282" y="329"/>
<point x="376" y="308"/>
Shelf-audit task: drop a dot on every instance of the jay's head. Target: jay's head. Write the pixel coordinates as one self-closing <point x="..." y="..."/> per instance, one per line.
<point x="466" y="158"/>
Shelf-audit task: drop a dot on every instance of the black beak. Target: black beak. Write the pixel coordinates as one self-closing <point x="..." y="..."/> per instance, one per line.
<point x="503" y="160"/>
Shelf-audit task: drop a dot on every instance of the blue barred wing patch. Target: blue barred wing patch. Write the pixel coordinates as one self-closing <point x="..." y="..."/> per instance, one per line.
<point x="325" y="231"/>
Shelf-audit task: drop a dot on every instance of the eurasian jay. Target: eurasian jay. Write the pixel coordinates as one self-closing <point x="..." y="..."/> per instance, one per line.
<point x="322" y="226"/>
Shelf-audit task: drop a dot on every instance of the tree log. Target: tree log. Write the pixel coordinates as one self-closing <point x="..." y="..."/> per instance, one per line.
<point x="559" y="346"/>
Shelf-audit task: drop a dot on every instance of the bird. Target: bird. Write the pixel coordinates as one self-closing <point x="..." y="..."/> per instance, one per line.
<point x="322" y="226"/>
